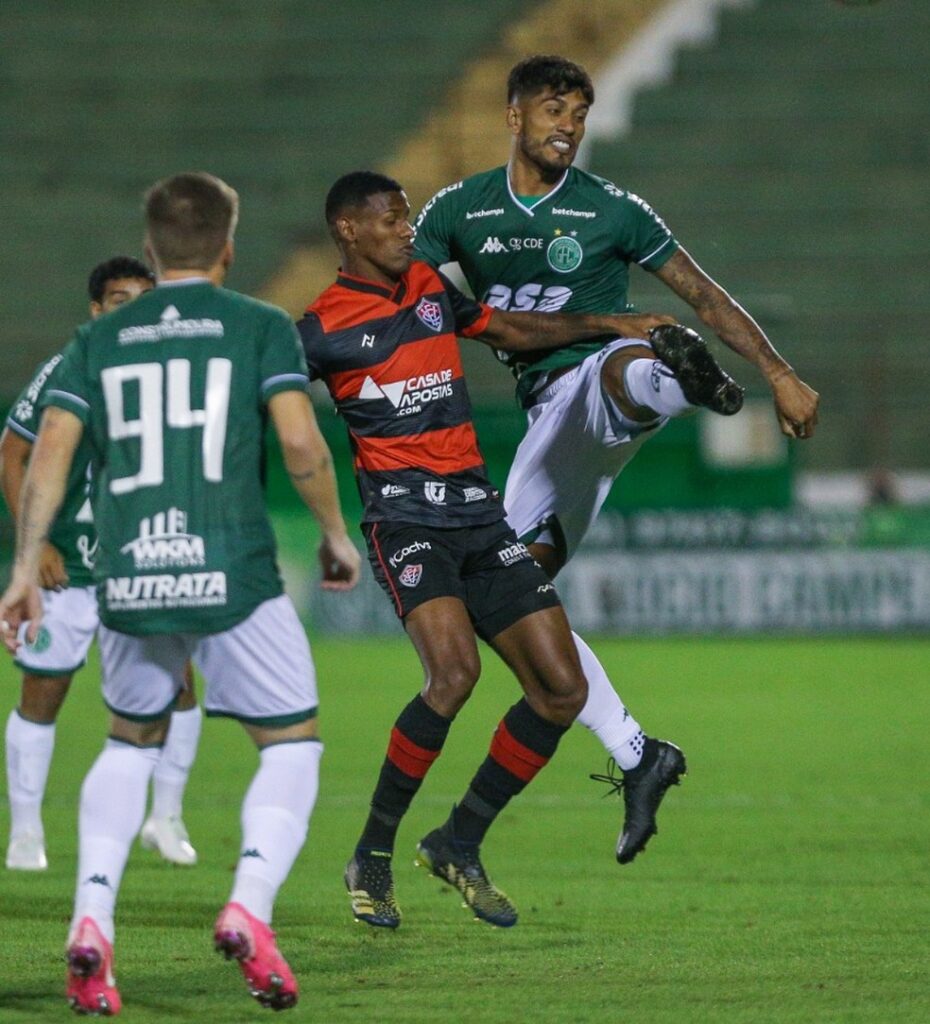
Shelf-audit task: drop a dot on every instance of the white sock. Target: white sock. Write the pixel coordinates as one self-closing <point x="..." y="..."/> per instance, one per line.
<point x="651" y="383"/>
<point x="29" y="747"/>
<point x="275" y="815"/>
<point x="174" y="765"/>
<point x="604" y="713"/>
<point x="111" y="811"/>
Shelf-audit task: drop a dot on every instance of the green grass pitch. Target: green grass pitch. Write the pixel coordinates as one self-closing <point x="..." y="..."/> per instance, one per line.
<point x="789" y="882"/>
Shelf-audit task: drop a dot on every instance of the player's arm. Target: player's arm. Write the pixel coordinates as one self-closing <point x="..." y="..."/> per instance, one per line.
<point x="15" y="451"/>
<point x="795" y="402"/>
<point x="42" y="493"/>
<point x="522" y="332"/>
<point x="309" y="464"/>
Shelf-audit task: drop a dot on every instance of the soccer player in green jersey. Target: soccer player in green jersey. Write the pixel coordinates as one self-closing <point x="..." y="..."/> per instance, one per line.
<point x="173" y="391"/>
<point x="541" y="234"/>
<point x="71" y="620"/>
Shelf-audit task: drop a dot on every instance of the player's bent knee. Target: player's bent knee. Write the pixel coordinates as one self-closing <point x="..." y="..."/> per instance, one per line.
<point x="447" y="691"/>
<point x="564" y="696"/>
<point x="42" y="697"/>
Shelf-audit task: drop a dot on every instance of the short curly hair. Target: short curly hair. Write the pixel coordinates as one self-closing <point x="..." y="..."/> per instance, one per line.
<point x="115" y="269"/>
<point x="545" y="71"/>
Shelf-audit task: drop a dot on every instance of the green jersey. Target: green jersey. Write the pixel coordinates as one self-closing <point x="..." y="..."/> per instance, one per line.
<point x="73" y="532"/>
<point x="171" y="389"/>
<point x="568" y="250"/>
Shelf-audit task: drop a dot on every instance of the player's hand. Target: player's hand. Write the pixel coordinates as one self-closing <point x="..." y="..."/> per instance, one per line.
<point x="340" y="561"/>
<point x="21" y="603"/>
<point x="52" y="575"/>
<point x="795" y="405"/>
<point x="638" y="325"/>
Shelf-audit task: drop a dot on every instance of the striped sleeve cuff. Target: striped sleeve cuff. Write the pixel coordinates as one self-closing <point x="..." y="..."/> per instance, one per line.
<point x="284" y="382"/>
<point x="69" y="401"/>
<point x="660" y="256"/>
<point x="477" y="326"/>
<point x="18" y="428"/>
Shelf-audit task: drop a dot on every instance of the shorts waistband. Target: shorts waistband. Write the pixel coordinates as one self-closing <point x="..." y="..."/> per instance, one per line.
<point x="556" y="381"/>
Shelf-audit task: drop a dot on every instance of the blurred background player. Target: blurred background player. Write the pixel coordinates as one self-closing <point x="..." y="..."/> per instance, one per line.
<point x="383" y="339"/>
<point x="177" y="432"/>
<point x="71" y="620"/>
<point x="542" y="234"/>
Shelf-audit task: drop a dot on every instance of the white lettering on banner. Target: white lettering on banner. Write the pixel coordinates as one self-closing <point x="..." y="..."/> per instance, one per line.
<point x="163" y="542"/>
<point x="410" y="549"/>
<point x="471" y="214"/>
<point x="748" y="591"/>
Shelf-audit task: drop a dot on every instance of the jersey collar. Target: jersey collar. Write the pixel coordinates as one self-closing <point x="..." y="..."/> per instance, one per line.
<point x="552" y="191"/>
<point x="362" y="284"/>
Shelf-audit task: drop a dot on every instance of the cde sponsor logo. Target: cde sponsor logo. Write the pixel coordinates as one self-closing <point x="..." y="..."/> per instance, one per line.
<point x="410" y="549"/>
<point x="410" y="395"/>
<point x="411" y="575"/>
<point x="164" y="542"/>
<point x="513" y="553"/>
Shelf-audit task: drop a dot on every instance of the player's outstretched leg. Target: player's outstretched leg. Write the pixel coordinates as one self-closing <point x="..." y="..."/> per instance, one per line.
<point x="649" y="767"/>
<point x="702" y="379"/>
<point x="91" y="985"/>
<point x="240" y="936"/>
<point x="459" y="864"/>
<point x="643" y="787"/>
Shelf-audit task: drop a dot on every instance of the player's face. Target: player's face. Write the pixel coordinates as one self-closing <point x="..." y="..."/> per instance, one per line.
<point x="549" y="128"/>
<point x="384" y="236"/>
<point x="119" y="291"/>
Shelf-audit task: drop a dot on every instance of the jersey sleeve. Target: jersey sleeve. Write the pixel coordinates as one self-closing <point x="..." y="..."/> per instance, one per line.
<point x="436" y="226"/>
<point x="69" y="387"/>
<point x="311" y="337"/>
<point x="642" y="236"/>
<point x="471" y="317"/>
<point x="24" y="415"/>
<point x="283" y="367"/>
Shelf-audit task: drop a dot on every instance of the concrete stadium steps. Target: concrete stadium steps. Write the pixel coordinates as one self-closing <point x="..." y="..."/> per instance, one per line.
<point x="791" y="159"/>
<point x="279" y="97"/>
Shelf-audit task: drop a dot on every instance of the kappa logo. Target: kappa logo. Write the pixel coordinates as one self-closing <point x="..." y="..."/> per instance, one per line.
<point x="254" y="852"/>
<point x="164" y="541"/>
<point x="408" y="396"/>
<point x="430" y="313"/>
<point x="99" y="880"/>
<point x="411" y="575"/>
<point x="492" y="247"/>
<point x="410" y="549"/>
<point x="435" y="492"/>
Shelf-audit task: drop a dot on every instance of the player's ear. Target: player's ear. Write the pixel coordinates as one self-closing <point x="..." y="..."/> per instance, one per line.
<point x="228" y="254"/>
<point x="95" y="310"/>
<point x="513" y="119"/>
<point x="345" y="229"/>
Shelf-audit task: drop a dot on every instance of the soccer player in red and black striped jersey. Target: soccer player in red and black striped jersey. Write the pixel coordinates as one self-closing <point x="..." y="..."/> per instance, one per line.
<point x="383" y="338"/>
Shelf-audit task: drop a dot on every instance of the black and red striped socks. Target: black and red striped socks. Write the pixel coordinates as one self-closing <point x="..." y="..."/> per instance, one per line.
<point x="416" y="741"/>
<point x="523" y="744"/>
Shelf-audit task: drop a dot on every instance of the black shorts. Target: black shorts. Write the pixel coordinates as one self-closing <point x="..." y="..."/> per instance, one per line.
<point x="485" y="567"/>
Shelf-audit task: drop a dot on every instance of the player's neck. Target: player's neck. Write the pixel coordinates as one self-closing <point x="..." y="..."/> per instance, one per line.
<point x="365" y="270"/>
<point x="215" y="275"/>
<point x="528" y="179"/>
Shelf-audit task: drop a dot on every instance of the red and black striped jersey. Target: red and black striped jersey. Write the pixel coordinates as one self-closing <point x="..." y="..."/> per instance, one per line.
<point x="390" y="359"/>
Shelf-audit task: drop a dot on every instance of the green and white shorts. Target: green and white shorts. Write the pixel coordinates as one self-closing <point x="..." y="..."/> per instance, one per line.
<point x="259" y="671"/>
<point x="69" y="623"/>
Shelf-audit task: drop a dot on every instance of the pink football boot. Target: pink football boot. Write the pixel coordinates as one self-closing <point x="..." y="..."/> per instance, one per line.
<point x="240" y="936"/>
<point x="91" y="985"/>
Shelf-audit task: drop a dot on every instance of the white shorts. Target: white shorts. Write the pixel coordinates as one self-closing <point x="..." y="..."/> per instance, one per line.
<point x="259" y="671"/>
<point x="576" y="443"/>
<point x="69" y="622"/>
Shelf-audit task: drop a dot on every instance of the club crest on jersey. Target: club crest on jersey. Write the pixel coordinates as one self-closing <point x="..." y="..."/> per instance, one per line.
<point x="411" y="575"/>
<point x="435" y="492"/>
<point x="564" y="254"/>
<point x="430" y="313"/>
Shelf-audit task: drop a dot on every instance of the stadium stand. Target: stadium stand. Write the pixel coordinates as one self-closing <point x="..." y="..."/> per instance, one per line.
<point x="279" y="97"/>
<point x="791" y="158"/>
